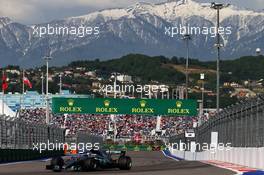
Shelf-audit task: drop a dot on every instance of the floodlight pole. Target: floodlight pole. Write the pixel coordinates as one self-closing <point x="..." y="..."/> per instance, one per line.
<point x="47" y="59"/>
<point x="23" y="88"/>
<point x="42" y="83"/>
<point x="3" y="94"/>
<point x="115" y="85"/>
<point x="114" y="116"/>
<point x="218" y="63"/>
<point x="187" y="37"/>
<point x="218" y="7"/>
<point x="202" y="77"/>
<point x="60" y="83"/>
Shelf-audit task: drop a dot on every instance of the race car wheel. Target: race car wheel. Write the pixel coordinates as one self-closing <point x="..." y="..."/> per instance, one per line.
<point x="89" y="165"/>
<point x="124" y="163"/>
<point x="57" y="164"/>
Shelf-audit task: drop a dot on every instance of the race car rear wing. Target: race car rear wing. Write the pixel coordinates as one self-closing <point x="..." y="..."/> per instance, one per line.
<point x="122" y="153"/>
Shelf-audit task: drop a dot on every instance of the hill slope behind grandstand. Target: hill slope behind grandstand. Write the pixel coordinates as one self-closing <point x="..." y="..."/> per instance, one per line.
<point x="172" y="70"/>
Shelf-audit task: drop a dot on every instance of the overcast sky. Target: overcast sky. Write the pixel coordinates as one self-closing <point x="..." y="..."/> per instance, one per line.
<point x="38" y="11"/>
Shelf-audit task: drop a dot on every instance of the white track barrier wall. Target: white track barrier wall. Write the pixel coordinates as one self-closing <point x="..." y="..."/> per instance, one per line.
<point x="250" y="157"/>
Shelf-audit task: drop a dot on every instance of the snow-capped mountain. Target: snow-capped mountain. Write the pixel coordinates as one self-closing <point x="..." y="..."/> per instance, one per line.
<point x="140" y="28"/>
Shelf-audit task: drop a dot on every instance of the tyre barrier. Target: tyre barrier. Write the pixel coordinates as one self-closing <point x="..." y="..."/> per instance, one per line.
<point x="15" y="155"/>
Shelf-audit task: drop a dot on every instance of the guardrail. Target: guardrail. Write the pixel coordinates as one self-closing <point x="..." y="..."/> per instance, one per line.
<point x="12" y="155"/>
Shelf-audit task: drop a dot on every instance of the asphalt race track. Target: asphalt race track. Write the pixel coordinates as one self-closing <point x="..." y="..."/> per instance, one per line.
<point x="144" y="163"/>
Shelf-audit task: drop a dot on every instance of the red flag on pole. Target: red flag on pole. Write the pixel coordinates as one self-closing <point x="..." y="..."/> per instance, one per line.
<point x="4" y="82"/>
<point x="27" y="82"/>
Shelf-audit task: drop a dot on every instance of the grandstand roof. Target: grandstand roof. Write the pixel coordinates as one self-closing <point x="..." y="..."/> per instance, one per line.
<point x="32" y="99"/>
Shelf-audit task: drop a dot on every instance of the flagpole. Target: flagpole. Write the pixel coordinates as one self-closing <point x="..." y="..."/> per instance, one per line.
<point x="23" y="84"/>
<point x="3" y="91"/>
<point x="47" y="59"/>
<point x="42" y="83"/>
<point x="3" y="106"/>
<point x="23" y="88"/>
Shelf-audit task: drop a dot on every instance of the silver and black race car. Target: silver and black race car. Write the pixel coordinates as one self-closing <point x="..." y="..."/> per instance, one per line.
<point x="91" y="161"/>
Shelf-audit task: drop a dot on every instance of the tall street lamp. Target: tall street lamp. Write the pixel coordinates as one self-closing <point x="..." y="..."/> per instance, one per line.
<point x="114" y="76"/>
<point x="47" y="59"/>
<point x="218" y="45"/>
<point x="186" y="38"/>
<point x="42" y="83"/>
<point x="202" y="77"/>
<point x="60" y="76"/>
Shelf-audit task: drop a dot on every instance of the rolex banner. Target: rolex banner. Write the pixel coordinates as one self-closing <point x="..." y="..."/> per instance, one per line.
<point x="124" y="106"/>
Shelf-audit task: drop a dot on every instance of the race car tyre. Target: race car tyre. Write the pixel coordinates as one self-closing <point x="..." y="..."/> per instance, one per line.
<point x="124" y="163"/>
<point x="57" y="164"/>
<point x="89" y="165"/>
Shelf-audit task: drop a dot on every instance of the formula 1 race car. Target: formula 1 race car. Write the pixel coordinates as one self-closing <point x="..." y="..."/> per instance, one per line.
<point x="91" y="161"/>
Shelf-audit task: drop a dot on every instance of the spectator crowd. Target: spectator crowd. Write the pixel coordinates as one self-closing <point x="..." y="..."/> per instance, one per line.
<point x="127" y="126"/>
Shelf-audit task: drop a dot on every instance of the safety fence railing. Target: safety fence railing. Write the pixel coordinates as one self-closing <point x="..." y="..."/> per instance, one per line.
<point x="240" y="125"/>
<point x="16" y="134"/>
<point x="19" y="140"/>
<point x="87" y="138"/>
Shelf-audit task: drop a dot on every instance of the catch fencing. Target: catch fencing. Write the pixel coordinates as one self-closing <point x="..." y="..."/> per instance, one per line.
<point x="241" y="124"/>
<point x="17" y="134"/>
<point x="84" y="137"/>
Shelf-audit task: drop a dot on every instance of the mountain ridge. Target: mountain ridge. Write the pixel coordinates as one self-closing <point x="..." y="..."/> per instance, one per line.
<point x="135" y="29"/>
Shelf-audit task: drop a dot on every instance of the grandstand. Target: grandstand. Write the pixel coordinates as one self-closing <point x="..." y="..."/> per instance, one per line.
<point x="127" y="125"/>
<point x="31" y="107"/>
<point x="32" y="99"/>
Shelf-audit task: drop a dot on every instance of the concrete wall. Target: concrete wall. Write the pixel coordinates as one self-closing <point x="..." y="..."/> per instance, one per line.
<point x="251" y="157"/>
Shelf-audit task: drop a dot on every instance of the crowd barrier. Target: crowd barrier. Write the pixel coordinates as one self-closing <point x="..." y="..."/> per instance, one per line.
<point x="12" y="155"/>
